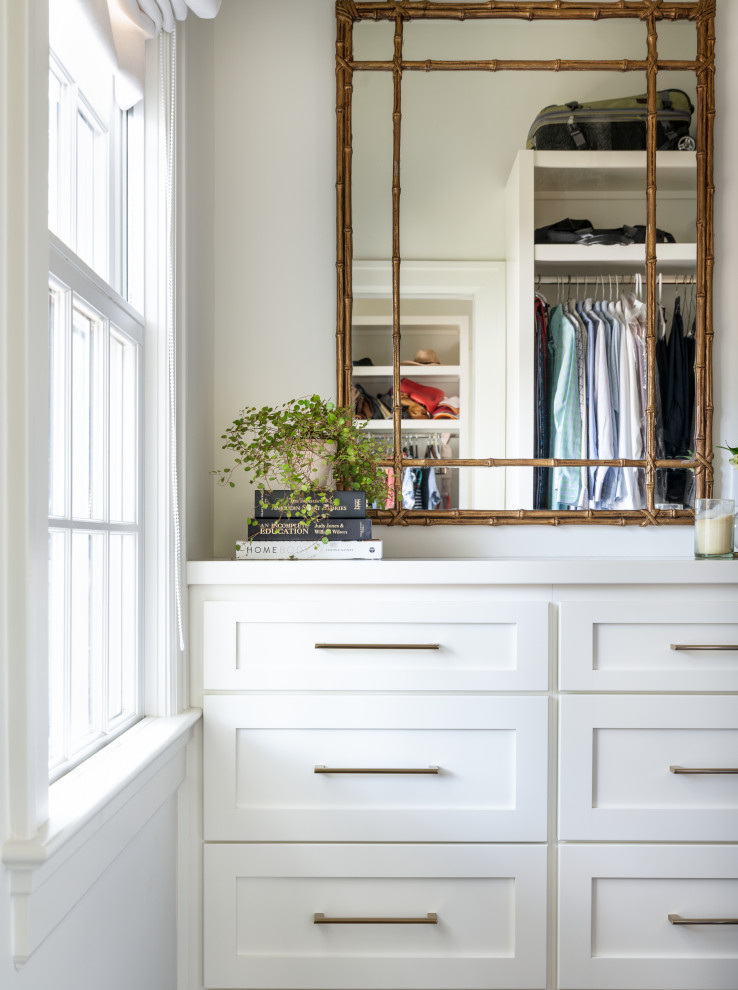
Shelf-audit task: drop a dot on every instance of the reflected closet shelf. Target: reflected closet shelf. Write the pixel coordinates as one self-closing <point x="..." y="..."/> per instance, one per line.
<point x="566" y="259"/>
<point x="418" y="425"/>
<point x="613" y="171"/>
<point x="408" y="371"/>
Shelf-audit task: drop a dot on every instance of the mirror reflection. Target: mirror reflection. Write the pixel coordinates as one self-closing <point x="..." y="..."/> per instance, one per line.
<point x="523" y="304"/>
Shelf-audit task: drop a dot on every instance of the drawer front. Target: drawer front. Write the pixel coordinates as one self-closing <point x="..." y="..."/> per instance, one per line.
<point x="616" y="777"/>
<point x="648" y="646"/>
<point x="261" y="901"/>
<point x="486" y="757"/>
<point x="614" y="927"/>
<point x="418" y="646"/>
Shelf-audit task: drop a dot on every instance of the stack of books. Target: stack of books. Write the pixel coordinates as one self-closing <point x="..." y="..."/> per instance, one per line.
<point x="275" y="534"/>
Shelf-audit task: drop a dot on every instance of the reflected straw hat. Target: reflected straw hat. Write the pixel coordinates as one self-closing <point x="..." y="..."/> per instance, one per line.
<point x="424" y="357"/>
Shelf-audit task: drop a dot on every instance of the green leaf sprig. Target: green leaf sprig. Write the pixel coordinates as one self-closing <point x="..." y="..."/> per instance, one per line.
<point x="733" y="450"/>
<point x="281" y="447"/>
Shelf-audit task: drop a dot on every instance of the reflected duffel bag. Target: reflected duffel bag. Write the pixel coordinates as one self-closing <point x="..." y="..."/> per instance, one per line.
<point x="614" y="125"/>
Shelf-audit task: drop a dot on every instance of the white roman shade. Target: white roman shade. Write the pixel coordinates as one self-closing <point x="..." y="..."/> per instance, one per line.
<point x="153" y="16"/>
<point x="120" y="28"/>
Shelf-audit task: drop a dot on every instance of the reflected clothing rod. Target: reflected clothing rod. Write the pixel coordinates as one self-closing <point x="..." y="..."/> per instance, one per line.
<point x="581" y="278"/>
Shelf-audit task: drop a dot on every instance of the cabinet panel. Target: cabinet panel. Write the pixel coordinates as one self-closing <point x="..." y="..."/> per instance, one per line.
<point x="614" y="927"/>
<point x="648" y="646"/>
<point x="261" y="901"/>
<point x="487" y="756"/>
<point x="616" y="776"/>
<point x="419" y="646"/>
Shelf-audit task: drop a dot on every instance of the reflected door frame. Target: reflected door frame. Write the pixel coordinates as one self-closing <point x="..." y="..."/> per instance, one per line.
<point x="481" y="283"/>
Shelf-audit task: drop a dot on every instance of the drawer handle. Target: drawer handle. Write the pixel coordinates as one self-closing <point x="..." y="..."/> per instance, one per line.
<point x="676" y="919"/>
<point x="429" y="919"/>
<point x="377" y="646"/>
<point x="702" y="646"/>
<point x="322" y="769"/>
<point x="703" y="769"/>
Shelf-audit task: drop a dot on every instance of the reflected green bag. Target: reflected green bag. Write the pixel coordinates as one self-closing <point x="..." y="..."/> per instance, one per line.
<point x="614" y="125"/>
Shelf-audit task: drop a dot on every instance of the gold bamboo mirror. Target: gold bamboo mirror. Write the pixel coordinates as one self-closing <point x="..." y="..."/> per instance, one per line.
<point x="528" y="323"/>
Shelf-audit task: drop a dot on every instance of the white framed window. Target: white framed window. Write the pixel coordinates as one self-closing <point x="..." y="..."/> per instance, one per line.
<point x="96" y="368"/>
<point x="107" y="798"/>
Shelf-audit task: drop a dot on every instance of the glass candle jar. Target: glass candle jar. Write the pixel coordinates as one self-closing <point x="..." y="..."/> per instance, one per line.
<point x="713" y="527"/>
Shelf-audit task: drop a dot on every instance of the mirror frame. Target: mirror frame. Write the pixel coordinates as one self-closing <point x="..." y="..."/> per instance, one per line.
<point x="702" y="13"/>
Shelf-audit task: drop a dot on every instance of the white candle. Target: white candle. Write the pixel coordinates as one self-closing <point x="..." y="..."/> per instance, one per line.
<point x="713" y="536"/>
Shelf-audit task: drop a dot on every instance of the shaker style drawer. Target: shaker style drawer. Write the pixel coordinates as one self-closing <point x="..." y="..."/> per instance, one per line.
<point x="441" y="768"/>
<point x="648" y="646"/>
<point x="662" y="917"/>
<point x="344" y="917"/>
<point x="410" y="646"/>
<point x="649" y="768"/>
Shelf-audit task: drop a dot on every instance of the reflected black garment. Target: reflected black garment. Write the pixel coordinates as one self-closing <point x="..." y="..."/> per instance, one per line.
<point x="540" y="480"/>
<point x="676" y="410"/>
<point x="691" y="345"/>
<point x="677" y="407"/>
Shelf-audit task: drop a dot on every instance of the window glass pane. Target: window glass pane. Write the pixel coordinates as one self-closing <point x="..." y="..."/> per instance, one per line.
<point x="123" y="429"/>
<point x="135" y="206"/>
<point x="55" y="124"/>
<point x="116" y="588"/>
<point x="122" y="632"/>
<point x="58" y="635"/>
<point x="85" y="190"/>
<point x="87" y="621"/>
<point x="58" y="366"/>
<point x="88" y="412"/>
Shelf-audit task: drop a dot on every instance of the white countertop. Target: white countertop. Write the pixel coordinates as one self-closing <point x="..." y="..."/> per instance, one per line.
<point x="503" y="570"/>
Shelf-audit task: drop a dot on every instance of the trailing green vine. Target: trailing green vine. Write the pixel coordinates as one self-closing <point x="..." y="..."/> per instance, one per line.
<point x="280" y="448"/>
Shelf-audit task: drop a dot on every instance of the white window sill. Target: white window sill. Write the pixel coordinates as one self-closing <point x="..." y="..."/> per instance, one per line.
<point x="94" y="811"/>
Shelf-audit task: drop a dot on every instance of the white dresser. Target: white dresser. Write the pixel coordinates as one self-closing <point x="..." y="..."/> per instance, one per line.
<point x="468" y="774"/>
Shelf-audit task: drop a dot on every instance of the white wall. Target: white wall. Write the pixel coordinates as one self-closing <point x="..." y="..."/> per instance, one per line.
<point x="274" y="216"/>
<point x="196" y="274"/>
<point x="274" y="256"/>
<point x="121" y="935"/>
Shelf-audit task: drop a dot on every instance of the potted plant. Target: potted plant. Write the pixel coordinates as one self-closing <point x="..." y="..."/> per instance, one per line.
<point x="306" y="447"/>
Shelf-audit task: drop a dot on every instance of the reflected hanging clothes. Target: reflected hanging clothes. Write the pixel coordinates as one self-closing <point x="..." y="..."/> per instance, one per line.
<point x="678" y="406"/>
<point x="431" y="494"/>
<point x="443" y="475"/>
<point x="565" y="422"/>
<point x="408" y="488"/>
<point x="541" y="445"/>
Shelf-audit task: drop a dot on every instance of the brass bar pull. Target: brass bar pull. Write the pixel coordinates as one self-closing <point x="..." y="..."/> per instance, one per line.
<point x="676" y="919"/>
<point x="702" y="646"/>
<point x="322" y="769"/>
<point x="429" y="919"/>
<point x="377" y="646"/>
<point x="703" y="769"/>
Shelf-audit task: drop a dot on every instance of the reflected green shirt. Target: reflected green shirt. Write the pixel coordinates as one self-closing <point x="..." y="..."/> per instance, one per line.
<point x="566" y="420"/>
